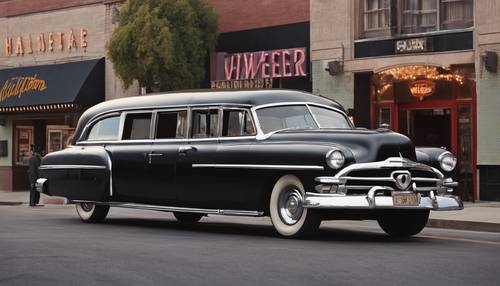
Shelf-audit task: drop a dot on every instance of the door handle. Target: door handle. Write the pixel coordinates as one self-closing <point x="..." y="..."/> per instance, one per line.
<point x="183" y="150"/>
<point x="151" y="155"/>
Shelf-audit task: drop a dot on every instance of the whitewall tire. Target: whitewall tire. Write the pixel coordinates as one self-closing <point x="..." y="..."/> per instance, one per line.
<point x="289" y="217"/>
<point x="90" y="212"/>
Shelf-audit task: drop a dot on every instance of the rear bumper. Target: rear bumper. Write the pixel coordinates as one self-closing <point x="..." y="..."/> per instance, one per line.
<point x="373" y="201"/>
<point x="41" y="185"/>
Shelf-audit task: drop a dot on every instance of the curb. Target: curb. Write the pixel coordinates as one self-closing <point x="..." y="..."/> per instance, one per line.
<point x="464" y="225"/>
<point x="10" y="203"/>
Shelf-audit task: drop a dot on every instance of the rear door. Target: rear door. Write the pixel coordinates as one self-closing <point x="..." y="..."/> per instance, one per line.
<point x="170" y="133"/>
<point x="130" y="158"/>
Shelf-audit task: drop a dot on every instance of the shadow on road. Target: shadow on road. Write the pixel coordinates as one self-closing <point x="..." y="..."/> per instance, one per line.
<point x="327" y="234"/>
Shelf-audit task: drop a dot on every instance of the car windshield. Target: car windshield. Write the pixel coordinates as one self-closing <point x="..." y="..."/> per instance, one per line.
<point x="299" y="117"/>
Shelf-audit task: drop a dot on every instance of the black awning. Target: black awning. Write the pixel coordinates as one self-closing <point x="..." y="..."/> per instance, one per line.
<point x="77" y="83"/>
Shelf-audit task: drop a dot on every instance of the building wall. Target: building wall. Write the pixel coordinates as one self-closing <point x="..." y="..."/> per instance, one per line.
<point x="10" y="8"/>
<point x="488" y="97"/>
<point x="6" y="134"/>
<point x="237" y="15"/>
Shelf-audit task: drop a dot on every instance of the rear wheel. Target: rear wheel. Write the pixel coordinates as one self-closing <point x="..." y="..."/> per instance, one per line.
<point x="289" y="217"/>
<point x="90" y="212"/>
<point x="188" y="217"/>
<point x="403" y="223"/>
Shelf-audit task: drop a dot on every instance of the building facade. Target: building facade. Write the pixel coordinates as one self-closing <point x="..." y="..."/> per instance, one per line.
<point x="262" y="44"/>
<point x="424" y="68"/>
<point x="53" y="66"/>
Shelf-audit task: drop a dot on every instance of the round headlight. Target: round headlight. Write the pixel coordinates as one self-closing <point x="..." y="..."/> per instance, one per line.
<point x="447" y="161"/>
<point x="335" y="159"/>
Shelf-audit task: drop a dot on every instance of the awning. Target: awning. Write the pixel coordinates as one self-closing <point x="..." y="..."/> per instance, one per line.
<point x="58" y="86"/>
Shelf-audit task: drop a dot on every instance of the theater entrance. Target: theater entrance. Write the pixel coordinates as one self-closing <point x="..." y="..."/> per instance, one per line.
<point x="435" y="107"/>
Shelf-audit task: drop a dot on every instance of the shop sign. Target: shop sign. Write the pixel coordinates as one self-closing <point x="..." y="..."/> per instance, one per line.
<point x="243" y="84"/>
<point x="46" y="42"/>
<point x="416" y="45"/>
<point x="258" y="65"/>
<point x="422" y="88"/>
<point x="17" y="86"/>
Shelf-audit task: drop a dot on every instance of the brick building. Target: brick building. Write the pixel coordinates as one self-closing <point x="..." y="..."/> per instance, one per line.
<point x="52" y="67"/>
<point x="425" y="68"/>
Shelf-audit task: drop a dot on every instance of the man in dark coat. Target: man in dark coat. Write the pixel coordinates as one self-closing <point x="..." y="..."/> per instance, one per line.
<point x="34" y="164"/>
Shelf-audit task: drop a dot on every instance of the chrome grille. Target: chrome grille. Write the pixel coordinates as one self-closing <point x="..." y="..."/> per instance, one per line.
<point x="360" y="181"/>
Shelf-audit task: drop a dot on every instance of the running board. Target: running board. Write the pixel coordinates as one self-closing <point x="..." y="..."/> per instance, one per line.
<point x="178" y="209"/>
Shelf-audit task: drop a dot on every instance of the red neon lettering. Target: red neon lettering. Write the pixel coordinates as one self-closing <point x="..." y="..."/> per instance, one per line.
<point x="228" y="70"/>
<point x="265" y="64"/>
<point x="299" y="59"/>
<point x="285" y="64"/>
<point x="275" y="64"/>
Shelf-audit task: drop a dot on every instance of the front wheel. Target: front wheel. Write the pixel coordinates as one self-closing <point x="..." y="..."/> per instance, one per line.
<point x="403" y="223"/>
<point x="90" y="212"/>
<point x="289" y="217"/>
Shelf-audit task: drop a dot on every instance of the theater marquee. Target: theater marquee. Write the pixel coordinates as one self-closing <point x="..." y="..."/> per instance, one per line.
<point x="256" y="69"/>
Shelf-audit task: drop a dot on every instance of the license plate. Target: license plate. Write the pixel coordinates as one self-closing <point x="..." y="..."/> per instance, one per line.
<point x="405" y="199"/>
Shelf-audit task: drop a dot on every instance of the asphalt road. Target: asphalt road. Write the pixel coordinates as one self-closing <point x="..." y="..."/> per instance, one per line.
<point x="50" y="246"/>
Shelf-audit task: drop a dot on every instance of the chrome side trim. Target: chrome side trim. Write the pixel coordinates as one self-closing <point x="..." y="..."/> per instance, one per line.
<point x="62" y="167"/>
<point x="259" y="167"/>
<point x="178" y="209"/>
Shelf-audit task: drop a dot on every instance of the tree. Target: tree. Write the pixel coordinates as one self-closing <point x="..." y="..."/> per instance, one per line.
<point x="163" y="44"/>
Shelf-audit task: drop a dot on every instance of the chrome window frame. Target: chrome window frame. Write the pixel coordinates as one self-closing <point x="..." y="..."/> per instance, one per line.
<point x="122" y="124"/>
<point x="260" y="135"/>
<point x="155" y="123"/>
<point x="95" y="120"/>
<point x="246" y="110"/>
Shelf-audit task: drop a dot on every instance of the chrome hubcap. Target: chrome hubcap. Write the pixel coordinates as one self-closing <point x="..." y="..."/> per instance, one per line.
<point x="87" y="206"/>
<point x="290" y="206"/>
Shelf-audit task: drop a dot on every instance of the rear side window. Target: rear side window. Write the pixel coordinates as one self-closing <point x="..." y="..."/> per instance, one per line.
<point x="137" y="126"/>
<point x="237" y="123"/>
<point x="205" y="123"/>
<point x="105" y="129"/>
<point x="172" y="125"/>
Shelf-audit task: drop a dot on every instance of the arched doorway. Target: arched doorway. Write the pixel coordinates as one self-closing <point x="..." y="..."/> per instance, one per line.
<point x="434" y="106"/>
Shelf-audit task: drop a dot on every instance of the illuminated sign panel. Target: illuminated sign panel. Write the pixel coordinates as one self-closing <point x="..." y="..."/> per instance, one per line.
<point x="422" y="88"/>
<point x="416" y="45"/>
<point x="17" y="86"/>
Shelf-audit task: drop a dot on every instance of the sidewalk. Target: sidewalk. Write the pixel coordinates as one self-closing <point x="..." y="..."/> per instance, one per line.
<point x="481" y="216"/>
<point x="18" y="198"/>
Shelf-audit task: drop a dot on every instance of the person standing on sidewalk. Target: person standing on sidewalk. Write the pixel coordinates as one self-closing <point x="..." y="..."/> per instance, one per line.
<point x="34" y="164"/>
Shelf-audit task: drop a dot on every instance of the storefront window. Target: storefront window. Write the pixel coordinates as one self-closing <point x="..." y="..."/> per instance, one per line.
<point x="58" y="137"/>
<point x="24" y="138"/>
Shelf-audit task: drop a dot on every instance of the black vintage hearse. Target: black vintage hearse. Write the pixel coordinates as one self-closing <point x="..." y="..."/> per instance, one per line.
<point x="289" y="155"/>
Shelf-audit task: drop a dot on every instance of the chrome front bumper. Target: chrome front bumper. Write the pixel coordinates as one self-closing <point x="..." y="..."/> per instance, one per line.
<point x="373" y="201"/>
<point x="337" y="192"/>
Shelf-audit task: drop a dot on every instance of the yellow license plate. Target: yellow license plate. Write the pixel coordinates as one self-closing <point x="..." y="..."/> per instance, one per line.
<point x="405" y="199"/>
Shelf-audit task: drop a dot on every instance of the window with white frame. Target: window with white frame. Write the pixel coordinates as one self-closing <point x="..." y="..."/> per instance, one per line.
<point x="377" y="14"/>
<point x="401" y="17"/>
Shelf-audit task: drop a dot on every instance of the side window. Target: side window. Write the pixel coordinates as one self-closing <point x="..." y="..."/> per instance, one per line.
<point x="137" y="126"/>
<point x="105" y="129"/>
<point x="237" y="123"/>
<point x="172" y="125"/>
<point x="204" y="123"/>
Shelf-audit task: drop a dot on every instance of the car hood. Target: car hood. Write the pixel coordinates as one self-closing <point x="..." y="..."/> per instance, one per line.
<point x="362" y="144"/>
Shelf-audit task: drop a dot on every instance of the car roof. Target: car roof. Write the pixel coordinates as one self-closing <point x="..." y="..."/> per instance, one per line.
<point x="203" y="97"/>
